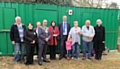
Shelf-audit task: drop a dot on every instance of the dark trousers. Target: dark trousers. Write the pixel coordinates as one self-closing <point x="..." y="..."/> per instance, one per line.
<point x="62" y="49"/>
<point x="98" y="47"/>
<point x="37" y="47"/>
<point x="98" y="55"/>
<point x="29" y="53"/>
<point x="42" y="52"/>
<point x="52" y="51"/>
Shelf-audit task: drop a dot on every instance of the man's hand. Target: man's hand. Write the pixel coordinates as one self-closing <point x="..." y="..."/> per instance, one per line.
<point x="13" y="42"/>
<point x="46" y="39"/>
<point x="33" y="42"/>
<point x="89" y="37"/>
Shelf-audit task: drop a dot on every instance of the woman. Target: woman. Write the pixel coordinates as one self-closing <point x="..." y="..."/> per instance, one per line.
<point x="30" y="38"/>
<point x="75" y="33"/>
<point x="99" y="40"/>
<point x="36" y="42"/>
<point x="54" y="32"/>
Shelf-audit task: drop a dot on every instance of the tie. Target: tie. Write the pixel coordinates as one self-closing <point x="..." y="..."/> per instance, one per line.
<point x="64" y="27"/>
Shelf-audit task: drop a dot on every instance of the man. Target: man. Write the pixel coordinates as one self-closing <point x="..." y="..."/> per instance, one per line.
<point x="64" y="28"/>
<point x="88" y="34"/>
<point x="16" y="35"/>
<point x="43" y="39"/>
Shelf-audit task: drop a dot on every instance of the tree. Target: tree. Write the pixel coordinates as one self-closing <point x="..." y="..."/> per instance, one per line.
<point x="90" y="3"/>
<point x="55" y="2"/>
<point x="113" y="5"/>
<point x="96" y="4"/>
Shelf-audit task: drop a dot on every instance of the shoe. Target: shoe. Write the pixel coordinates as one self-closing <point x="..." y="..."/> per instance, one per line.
<point x="26" y="64"/>
<point x="40" y="63"/>
<point x="90" y="59"/>
<point x="83" y="58"/>
<point x="68" y="58"/>
<point x="60" y="58"/>
<point x="15" y="62"/>
<point x="77" y="58"/>
<point x="72" y="57"/>
<point x="54" y="59"/>
<point x="47" y="61"/>
<point x="64" y="56"/>
<point x="31" y="63"/>
<point x="22" y="62"/>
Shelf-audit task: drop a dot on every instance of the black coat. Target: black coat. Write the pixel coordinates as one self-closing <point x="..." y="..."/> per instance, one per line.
<point x="60" y="26"/>
<point x="14" y="33"/>
<point x="99" y="38"/>
<point x="29" y="36"/>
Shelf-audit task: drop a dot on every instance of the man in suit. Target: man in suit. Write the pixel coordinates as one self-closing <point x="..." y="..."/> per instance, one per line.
<point x="43" y="39"/>
<point x="64" y="28"/>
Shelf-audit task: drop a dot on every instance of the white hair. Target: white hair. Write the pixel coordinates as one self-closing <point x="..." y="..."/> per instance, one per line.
<point x="38" y="23"/>
<point x="75" y="21"/>
<point x="87" y="21"/>
<point x="44" y="20"/>
<point x="64" y="16"/>
<point x="18" y="17"/>
<point x="99" y="20"/>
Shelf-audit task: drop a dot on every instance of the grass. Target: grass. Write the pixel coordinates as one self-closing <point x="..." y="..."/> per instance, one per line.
<point x="110" y="61"/>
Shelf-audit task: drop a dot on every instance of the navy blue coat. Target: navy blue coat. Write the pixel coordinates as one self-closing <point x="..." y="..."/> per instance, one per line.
<point x="14" y="33"/>
<point x="60" y="26"/>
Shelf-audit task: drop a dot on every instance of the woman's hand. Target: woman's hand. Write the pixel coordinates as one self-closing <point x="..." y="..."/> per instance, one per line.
<point x="103" y="41"/>
<point x="55" y="35"/>
<point x="79" y="33"/>
<point x="13" y="42"/>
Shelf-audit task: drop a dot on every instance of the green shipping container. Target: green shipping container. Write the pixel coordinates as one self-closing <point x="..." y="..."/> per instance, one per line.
<point x="31" y="13"/>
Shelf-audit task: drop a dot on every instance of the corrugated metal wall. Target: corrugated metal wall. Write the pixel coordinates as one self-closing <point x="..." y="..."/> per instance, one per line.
<point x="37" y="12"/>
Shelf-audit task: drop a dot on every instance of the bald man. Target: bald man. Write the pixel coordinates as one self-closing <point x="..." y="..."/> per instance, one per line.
<point x="88" y="34"/>
<point x="43" y="40"/>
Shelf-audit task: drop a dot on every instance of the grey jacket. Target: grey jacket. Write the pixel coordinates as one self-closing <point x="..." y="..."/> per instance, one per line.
<point x="75" y="36"/>
<point x="43" y="34"/>
<point x="86" y="33"/>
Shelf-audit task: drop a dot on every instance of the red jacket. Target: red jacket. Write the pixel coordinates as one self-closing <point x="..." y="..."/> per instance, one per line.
<point x="51" y="33"/>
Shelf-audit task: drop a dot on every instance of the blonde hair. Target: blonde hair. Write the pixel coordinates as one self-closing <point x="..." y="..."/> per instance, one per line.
<point x="75" y="21"/>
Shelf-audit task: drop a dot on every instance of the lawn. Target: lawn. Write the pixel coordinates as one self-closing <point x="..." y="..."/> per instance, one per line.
<point x="110" y="61"/>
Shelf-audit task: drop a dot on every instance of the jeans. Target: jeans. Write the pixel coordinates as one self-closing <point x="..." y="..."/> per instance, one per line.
<point x="68" y="53"/>
<point x="89" y="45"/>
<point x="75" y="48"/>
<point x="19" y="52"/>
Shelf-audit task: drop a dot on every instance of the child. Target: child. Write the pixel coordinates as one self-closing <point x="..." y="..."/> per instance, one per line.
<point x="68" y="48"/>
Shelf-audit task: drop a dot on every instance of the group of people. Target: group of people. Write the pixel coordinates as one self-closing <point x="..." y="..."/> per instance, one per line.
<point x="42" y="36"/>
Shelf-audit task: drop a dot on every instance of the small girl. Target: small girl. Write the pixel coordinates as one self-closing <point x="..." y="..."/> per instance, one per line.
<point x="68" y="47"/>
